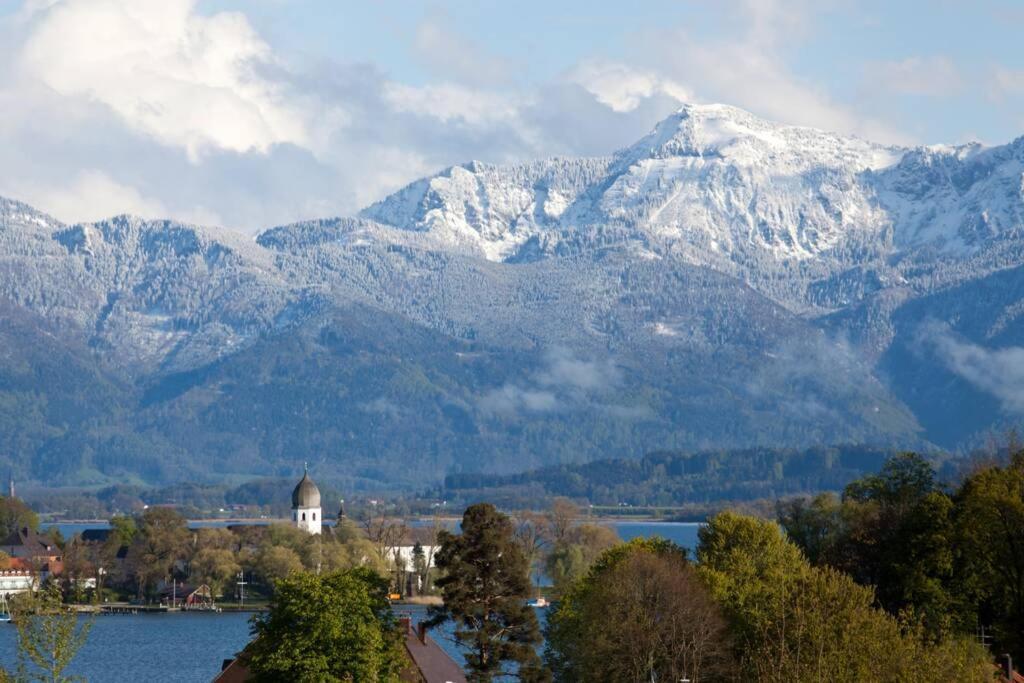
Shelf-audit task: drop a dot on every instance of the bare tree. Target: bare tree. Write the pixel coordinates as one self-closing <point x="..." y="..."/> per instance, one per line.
<point x="560" y="519"/>
<point x="530" y="534"/>
<point x="646" y="618"/>
<point x="386" y="534"/>
<point x="432" y="546"/>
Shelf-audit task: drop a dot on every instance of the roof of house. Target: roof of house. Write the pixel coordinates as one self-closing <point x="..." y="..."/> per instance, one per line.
<point x="433" y="663"/>
<point x="96" y="535"/>
<point x="234" y="671"/>
<point x="34" y="542"/>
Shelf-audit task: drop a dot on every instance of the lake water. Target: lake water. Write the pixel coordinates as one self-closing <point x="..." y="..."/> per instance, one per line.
<point x="181" y="647"/>
<point x="176" y="647"/>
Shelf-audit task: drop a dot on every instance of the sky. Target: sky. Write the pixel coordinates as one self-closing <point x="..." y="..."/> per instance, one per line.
<point x="252" y="113"/>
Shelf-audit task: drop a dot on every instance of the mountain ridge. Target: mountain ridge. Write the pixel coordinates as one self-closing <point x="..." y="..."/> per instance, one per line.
<point x="723" y="282"/>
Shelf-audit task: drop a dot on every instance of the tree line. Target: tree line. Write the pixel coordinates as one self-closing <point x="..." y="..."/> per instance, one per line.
<point x="899" y="577"/>
<point x="671" y="478"/>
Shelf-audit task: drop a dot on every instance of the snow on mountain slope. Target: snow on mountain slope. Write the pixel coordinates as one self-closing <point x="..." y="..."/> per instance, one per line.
<point x="792" y="211"/>
<point x="708" y="179"/>
<point x="156" y="292"/>
<point x="486" y="209"/>
<point x="721" y="180"/>
<point x="956" y="198"/>
<point x="735" y="272"/>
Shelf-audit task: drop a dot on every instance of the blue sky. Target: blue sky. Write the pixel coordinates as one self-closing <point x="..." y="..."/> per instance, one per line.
<point x="250" y="113"/>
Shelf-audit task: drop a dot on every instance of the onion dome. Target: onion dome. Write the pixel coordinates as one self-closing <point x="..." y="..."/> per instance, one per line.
<point x="306" y="494"/>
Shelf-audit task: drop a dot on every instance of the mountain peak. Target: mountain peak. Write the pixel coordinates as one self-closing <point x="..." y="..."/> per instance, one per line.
<point x="720" y="131"/>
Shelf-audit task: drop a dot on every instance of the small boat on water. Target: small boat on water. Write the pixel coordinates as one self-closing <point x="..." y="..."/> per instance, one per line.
<point x="540" y="603"/>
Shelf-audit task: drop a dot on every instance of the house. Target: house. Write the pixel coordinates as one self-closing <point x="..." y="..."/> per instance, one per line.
<point x="16" y="579"/>
<point x="39" y="552"/>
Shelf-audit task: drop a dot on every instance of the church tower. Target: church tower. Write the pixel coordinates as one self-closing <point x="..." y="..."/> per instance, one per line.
<point x="306" y="513"/>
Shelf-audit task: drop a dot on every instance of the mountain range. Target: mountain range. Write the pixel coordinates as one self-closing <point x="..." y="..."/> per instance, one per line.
<point x="725" y="282"/>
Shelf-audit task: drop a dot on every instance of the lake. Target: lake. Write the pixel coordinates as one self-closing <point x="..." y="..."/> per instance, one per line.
<point x="681" y="533"/>
<point x="191" y="647"/>
<point x="175" y="647"/>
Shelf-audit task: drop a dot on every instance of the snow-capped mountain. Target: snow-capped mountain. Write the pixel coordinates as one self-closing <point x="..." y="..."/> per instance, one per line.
<point x="724" y="281"/>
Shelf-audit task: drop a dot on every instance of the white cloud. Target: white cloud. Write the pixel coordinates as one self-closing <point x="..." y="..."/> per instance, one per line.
<point x="748" y="64"/>
<point x="567" y="371"/>
<point x="449" y="102"/>
<point x="185" y="79"/>
<point x="92" y="195"/>
<point x="623" y="88"/>
<point x="180" y="110"/>
<point x="1004" y="82"/>
<point x="512" y="399"/>
<point x="934" y="76"/>
<point x="189" y="109"/>
<point x="999" y="372"/>
<point x="456" y="57"/>
<point x="752" y="74"/>
<point x="564" y="382"/>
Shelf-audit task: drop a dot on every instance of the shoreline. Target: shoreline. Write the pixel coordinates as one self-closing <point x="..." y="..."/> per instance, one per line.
<point x="253" y="521"/>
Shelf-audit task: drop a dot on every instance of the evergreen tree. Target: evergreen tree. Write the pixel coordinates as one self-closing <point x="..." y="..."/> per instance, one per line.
<point x="419" y="566"/>
<point x="485" y="584"/>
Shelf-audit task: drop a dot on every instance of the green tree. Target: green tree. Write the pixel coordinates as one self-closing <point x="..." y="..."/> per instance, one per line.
<point x="794" y="622"/>
<point x="332" y="627"/>
<point x="893" y="531"/>
<point x="162" y="539"/>
<point x="578" y="548"/>
<point x="990" y="539"/>
<point x="122" y="530"/>
<point x="216" y="567"/>
<point x="274" y="563"/>
<point x="14" y="515"/>
<point x="215" y="539"/>
<point x="640" y="614"/>
<point x="484" y="585"/>
<point x="304" y="545"/>
<point x="49" y="635"/>
<point x="349" y="548"/>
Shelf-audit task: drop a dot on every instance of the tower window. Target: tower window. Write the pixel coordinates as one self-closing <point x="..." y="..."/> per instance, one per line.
<point x="314" y="516"/>
<point x="303" y="516"/>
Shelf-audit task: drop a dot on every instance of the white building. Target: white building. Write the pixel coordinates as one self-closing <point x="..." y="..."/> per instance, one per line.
<point x="14" y="581"/>
<point x="306" y="512"/>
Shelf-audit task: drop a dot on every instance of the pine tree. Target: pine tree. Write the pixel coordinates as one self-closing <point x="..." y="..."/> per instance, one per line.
<point x="485" y="585"/>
